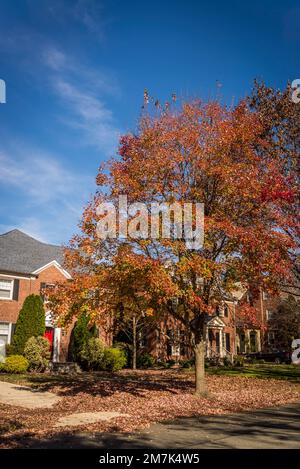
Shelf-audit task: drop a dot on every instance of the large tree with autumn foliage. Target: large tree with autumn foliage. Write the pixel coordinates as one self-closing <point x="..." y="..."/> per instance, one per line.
<point x="194" y="152"/>
<point x="280" y="128"/>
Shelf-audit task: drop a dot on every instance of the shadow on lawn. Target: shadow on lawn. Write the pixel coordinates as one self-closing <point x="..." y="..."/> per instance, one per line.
<point x="274" y="427"/>
<point x="106" y="384"/>
<point x="9" y="425"/>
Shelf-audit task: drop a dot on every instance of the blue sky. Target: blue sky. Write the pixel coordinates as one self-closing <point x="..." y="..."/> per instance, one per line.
<point x="75" y="72"/>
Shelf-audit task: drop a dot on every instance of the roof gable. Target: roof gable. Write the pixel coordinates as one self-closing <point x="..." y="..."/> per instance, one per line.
<point x="23" y="254"/>
<point x="215" y="322"/>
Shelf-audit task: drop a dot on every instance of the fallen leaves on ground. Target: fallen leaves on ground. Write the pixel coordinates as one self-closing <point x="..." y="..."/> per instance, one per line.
<point x="146" y="396"/>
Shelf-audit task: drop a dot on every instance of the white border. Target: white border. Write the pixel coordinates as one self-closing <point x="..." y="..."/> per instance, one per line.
<point x="53" y="264"/>
<point x="12" y="277"/>
<point x="11" y="290"/>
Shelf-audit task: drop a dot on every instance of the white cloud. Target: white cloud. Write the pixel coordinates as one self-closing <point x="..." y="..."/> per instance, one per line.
<point x="81" y="90"/>
<point x="88" y="13"/>
<point x="89" y="115"/>
<point x="41" y="176"/>
<point x="42" y="195"/>
<point x="44" y="198"/>
<point x="54" y="58"/>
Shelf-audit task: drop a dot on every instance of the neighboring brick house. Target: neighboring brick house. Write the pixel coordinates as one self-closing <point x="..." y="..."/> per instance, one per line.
<point x="226" y="335"/>
<point x="26" y="266"/>
<point x="171" y="341"/>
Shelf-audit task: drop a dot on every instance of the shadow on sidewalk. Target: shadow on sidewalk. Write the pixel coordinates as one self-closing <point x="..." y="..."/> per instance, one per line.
<point x="273" y="427"/>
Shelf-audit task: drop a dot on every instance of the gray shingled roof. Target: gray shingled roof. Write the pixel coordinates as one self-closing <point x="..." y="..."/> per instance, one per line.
<point x="21" y="253"/>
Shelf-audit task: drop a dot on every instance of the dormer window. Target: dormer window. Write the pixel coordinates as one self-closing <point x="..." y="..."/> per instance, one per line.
<point x="226" y="311"/>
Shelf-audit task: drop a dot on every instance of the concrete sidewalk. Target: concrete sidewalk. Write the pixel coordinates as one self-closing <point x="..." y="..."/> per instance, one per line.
<point x="23" y="396"/>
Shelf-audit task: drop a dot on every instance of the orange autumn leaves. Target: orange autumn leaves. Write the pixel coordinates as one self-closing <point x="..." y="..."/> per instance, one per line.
<point x="201" y="152"/>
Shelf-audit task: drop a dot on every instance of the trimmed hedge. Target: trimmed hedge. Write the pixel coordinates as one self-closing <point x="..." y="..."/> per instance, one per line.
<point x="91" y="355"/>
<point x="15" y="364"/>
<point x="31" y="322"/>
<point x="94" y="356"/>
<point x="145" y="360"/>
<point x="114" y="359"/>
<point x="80" y="335"/>
<point x="37" y="352"/>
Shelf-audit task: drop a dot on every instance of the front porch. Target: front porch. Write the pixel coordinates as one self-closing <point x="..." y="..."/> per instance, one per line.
<point x="218" y="341"/>
<point x="222" y="341"/>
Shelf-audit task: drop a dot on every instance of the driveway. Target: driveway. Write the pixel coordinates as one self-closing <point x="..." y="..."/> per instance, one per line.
<point x="268" y="428"/>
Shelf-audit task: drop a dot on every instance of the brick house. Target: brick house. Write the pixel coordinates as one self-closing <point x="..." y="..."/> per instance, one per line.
<point x="26" y="266"/>
<point x="170" y="340"/>
<point x="225" y="334"/>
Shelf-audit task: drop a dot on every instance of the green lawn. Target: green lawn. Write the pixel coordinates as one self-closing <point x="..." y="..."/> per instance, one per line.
<point x="32" y="378"/>
<point x="285" y="372"/>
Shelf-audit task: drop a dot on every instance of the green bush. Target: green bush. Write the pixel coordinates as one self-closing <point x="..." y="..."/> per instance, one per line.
<point x="238" y="360"/>
<point x="114" y="359"/>
<point x="145" y="360"/>
<point x="127" y="349"/>
<point x="187" y="363"/>
<point x="37" y="352"/>
<point x="30" y="323"/>
<point x="170" y="363"/>
<point x="161" y="363"/>
<point x="227" y="362"/>
<point x="80" y="335"/>
<point x="15" y="364"/>
<point x="94" y="356"/>
<point x="8" y="350"/>
<point x="92" y="353"/>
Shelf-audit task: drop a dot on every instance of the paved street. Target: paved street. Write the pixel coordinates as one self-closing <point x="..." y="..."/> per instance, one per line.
<point x="270" y="428"/>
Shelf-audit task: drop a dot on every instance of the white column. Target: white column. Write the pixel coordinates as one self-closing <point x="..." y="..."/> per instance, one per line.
<point x="258" y="341"/>
<point x="247" y="340"/>
<point x="9" y="333"/>
<point x="221" y="342"/>
<point x="207" y="342"/>
<point x="56" y="344"/>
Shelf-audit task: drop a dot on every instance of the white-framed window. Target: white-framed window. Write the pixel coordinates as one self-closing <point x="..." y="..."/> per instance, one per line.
<point x="175" y="350"/>
<point x="271" y="338"/>
<point x="6" y="289"/>
<point x="5" y="332"/>
<point x="265" y="295"/>
<point x="45" y="286"/>
<point x="269" y="315"/>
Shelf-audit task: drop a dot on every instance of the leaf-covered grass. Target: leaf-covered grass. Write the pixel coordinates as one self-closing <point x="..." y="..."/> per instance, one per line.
<point x="145" y="397"/>
<point x="272" y="371"/>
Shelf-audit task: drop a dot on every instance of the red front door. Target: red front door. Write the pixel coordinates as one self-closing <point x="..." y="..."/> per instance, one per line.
<point x="49" y="334"/>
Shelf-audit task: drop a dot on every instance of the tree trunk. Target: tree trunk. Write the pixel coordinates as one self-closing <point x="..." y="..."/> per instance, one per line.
<point x="134" y="343"/>
<point x="199" y="367"/>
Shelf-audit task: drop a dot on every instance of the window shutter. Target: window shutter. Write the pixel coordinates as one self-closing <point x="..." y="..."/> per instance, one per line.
<point x="13" y="328"/>
<point x="16" y="289"/>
